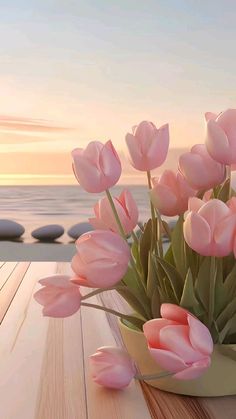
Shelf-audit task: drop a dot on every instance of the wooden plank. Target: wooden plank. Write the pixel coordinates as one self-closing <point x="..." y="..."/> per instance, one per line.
<point x="23" y="334"/>
<point x="10" y="287"/>
<point x="61" y="393"/>
<point x="6" y="271"/>
<point x="104" y="403"/>
<point x="1" y="264"/>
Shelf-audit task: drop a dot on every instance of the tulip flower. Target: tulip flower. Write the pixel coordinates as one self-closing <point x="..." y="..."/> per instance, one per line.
<point x="200" y="170"/>
<point x="179" y="342"/>
<point x="209" y="227"/>
<point x="126" y="209"/>
<point x="148" y="146"/>
<point x="232" y="205"/>
<point x="112" y="367"/>
<point x="170" y="193"/>
<point x="97" y="167"/>
<point x="59" y="296"/>
<point x="221" y="136"/>
<point x="101" y="260"/>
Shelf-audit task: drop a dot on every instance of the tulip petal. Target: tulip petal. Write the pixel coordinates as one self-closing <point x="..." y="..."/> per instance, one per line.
<point x="168" y="360"/>
<point x="98" y="224"/>
<point x="63" y="305"/>
<point x="88" y="175"/>
<point x="174" y="313"/>
<point x="197" y="233"/>
<point x="194" y="371"/>
<point x="110" y="165"/>
<point x="227" y="121"/>
<point x="210" y="115"/>
<point x="134" y="151"/>
<point x="164" y="199"/>
<point x="194" y="204"/>
<point x="223" y="236"/>
<point x="46" y="294"/>
<point x="217" y="143"/>
<point x="62" y="281"/>
<point x="200" y="336"/>
<point x="213" y="212"/>
<point x="158" y="150"/>
<point x="175" y="338"/>
<point x="151" y="330"/>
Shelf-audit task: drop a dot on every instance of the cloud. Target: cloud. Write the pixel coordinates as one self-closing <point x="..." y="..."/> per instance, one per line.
<point x="20" y="124"/>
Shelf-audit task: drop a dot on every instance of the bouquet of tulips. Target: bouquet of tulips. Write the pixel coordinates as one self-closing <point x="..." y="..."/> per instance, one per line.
<point x="183" y="296"/>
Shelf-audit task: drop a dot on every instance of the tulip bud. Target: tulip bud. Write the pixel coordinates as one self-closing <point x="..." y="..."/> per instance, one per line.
<point x="101" y="260"/>
<point x="179" y="342"/>
<point x="97" y="167"/>
<point x="112" y="367"/>
<point x="148" y="146"/>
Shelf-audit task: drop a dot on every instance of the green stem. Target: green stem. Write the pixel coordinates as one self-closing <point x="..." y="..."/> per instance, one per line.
<point x="156" y="235"/>
<point x="135" y="320"/>
<point x="213" y="273"/>
<point x="153" y="376"/>
<point x="96" y="292"/>
<point x="135" y="239"/>
<point x="229" y="176"/>
<point x="122" y="232"/>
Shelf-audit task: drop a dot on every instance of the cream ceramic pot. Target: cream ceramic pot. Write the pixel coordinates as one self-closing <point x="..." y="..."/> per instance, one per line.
<point x="218" y="380"/>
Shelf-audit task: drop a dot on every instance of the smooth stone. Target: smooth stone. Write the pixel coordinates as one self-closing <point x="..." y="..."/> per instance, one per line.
<point x="48" y="233"/>
<point x="10" y="229"/>
<point x="78" y="229"/>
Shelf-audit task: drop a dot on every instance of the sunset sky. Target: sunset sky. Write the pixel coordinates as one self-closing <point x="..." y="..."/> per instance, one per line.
<point x="76" y="70"/>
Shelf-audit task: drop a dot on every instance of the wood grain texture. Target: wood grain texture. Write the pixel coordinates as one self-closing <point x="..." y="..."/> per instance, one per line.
<point x="44" y="369"/>
<point x="104" y="403"/>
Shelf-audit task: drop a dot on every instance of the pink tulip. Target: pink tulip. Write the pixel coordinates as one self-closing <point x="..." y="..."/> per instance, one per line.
<point x="232" y="205"/>
<point x="112" y="367"/>
<point x="179" y="342"/>
<point x="97" y="167"/>
<point x="126" y="208"/>
<point x="148" y="146"/>
<point x="221" y="136"/>
<point x="102" y="259"/>
<point x="170" y="193"/>
<point x="59" y="296"/>
<point x="200" y="170"/>
<point x="209" y="227"/>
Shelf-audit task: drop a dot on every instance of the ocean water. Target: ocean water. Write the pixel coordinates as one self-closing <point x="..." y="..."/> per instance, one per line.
<point x="36" y="206"/>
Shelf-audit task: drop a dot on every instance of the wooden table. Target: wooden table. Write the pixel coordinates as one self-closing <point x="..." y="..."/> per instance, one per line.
<point x="44" y="362"/>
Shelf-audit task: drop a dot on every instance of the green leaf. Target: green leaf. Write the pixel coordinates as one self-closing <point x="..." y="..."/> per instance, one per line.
<point x="229" y="328"/>
<point x="230" y="282"/>
<point x="133" y="321"/>
<point x="136" y="255"/>
<point x="226" y="314"/>
<point x="173" y="276"/>
<point x="227" y="351"/>
<point x="145" y="246"/>
<point x="156" y="303"/>
<point x="152" y="280"/>
<point x="166" y="229"/>
<point x="221" y="295"/>
<point x="178" y="248"/>
<point x="223" y="193"/>
<point x="132" y="300"/>
<point x="188" y="299"/>
<point x="202" y="282"/>
<point x="169" y="256"/>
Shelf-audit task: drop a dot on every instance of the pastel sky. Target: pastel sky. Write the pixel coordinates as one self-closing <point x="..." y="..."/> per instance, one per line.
<point x="76" y="70"/>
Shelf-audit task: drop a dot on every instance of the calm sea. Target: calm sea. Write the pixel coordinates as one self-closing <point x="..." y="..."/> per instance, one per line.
<point x="35" y="206"/>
